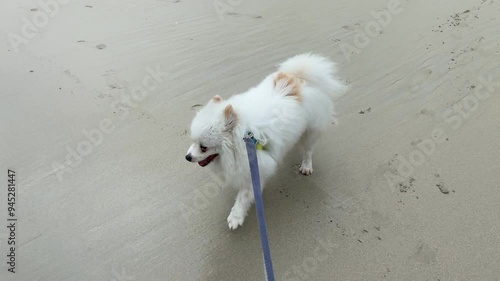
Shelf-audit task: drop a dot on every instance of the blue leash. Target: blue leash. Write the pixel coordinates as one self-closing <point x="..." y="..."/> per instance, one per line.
<point x="251" y="142"/>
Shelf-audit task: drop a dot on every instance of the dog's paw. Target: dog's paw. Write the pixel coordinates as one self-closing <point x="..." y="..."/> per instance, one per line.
<point x="234" y="220"/>
<point x="306" y="169"/>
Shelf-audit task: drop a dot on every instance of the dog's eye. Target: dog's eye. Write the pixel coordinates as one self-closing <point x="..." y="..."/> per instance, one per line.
<point x="203" y="148"/>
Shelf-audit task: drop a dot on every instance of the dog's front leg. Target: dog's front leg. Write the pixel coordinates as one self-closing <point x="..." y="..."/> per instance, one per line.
<point x="243" y="202"/>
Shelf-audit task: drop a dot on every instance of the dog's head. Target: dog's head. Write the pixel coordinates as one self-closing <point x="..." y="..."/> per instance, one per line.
<point x="210" y="127"/>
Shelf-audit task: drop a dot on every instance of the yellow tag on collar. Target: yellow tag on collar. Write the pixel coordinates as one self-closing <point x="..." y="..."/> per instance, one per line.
<point x="255" y="141"/>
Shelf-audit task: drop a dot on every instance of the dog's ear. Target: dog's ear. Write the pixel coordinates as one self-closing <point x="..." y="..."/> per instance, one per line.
<point x="230" y="117"/>
<point x="216" y="99"/>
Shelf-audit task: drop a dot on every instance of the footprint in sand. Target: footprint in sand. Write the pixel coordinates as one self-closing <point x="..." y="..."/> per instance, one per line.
<point x="440" y="184"/>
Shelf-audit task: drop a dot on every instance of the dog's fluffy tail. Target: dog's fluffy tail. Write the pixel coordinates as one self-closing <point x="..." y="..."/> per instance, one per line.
<point x="317" y="70"/>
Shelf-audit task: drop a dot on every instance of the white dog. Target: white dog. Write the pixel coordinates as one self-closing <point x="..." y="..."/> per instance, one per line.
<point x="291" y="105"/>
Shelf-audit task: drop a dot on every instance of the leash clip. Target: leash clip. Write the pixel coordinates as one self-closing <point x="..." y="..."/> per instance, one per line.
<point x="249" y="135"/>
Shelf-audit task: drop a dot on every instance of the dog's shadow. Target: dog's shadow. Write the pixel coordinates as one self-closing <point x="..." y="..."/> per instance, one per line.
<point x="295" y="212"/>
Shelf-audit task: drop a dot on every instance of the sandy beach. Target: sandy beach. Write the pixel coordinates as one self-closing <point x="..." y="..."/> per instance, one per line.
<point x="96" y="102"/>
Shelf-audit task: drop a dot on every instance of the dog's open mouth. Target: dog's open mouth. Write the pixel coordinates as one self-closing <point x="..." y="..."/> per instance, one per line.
<point x="207" y="160"/>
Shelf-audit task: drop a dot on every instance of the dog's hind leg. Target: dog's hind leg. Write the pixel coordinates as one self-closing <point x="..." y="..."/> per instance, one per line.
<point x="244" y="201"/>
<point x="308" y="141"/>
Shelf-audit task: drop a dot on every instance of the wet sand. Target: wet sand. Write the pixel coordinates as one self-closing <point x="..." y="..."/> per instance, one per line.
<point x="97" y="98"/>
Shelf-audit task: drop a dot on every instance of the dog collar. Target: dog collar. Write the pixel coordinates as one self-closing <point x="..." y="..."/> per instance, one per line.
<point x="257" y="144"/>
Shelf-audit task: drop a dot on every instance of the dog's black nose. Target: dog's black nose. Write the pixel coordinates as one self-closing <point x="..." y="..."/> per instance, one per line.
<point x="189" y="157"/>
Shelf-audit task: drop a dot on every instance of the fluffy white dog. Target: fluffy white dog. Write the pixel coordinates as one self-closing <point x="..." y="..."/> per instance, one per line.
<point x="290" y="106"/>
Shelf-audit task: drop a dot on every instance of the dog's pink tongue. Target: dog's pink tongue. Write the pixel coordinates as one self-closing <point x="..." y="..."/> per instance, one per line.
<point x="207" y="160"/>
<point x="203" y="163"/>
